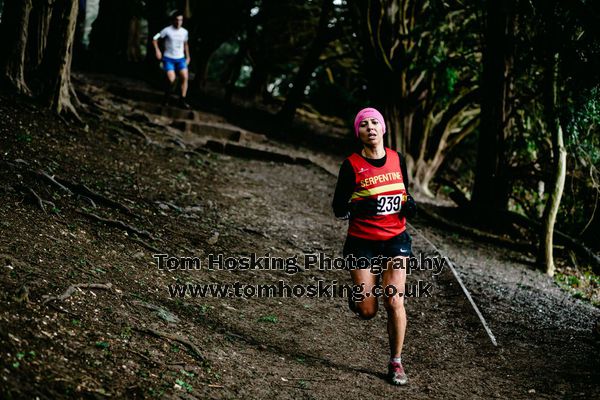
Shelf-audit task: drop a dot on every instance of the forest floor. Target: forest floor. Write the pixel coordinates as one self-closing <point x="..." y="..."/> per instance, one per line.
<point x="89" y="204"/>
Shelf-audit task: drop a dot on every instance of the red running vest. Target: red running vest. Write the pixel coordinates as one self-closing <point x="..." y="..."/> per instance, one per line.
<point x="384" y="184"/>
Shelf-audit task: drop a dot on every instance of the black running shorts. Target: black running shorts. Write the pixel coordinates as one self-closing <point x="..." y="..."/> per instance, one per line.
<point x="400" y="245"/>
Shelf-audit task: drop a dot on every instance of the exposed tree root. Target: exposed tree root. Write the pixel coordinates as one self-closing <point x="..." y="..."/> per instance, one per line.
<point x="561" y="237"/>
<point x="40" y="201"/>
<point x="83" y="190"/>
<point x="488" y="237"/>
<point x="44" y="175"/>
<point x="90" y="201"/>
<point x="150" y="360"/>
<point x="457" y="195"/>
<point x="178" y="338"/>
<point x="530" y="225"/>
<point x="118" y="224"/>
<point x="69" y="187"/>
<point x="62" y="310"/>
<point x="146" y="245"/>
<point x="136" y="130"/>
<point x="71" y="289"/>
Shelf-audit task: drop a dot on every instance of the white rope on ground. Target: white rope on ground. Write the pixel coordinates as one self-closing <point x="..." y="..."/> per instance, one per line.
<point x="464" y="289"/>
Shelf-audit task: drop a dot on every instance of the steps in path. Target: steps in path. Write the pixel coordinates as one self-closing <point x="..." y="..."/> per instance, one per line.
<point x="208" y="131"/>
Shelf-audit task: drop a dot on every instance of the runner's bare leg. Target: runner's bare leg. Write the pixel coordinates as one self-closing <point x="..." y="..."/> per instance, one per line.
<point x="183" y="74"/>
<point x="396" y="323"/>
<point x="366" y="308"/>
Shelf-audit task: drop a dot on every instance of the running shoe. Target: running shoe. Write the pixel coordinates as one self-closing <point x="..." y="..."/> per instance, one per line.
<point x="396" y="373"/>
<point x="183" y="104"/>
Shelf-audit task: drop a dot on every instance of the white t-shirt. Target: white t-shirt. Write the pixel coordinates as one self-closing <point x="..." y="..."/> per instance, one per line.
<point x="174" y="40"/>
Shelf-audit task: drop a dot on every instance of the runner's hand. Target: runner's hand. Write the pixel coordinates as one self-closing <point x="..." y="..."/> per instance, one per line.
<point x="363" y="208"/>
<point x="158" y="55"/>
<point x="409" y="208"/>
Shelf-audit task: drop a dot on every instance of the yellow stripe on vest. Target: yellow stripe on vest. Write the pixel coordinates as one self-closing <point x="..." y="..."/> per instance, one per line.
<point x="377" y="190"/>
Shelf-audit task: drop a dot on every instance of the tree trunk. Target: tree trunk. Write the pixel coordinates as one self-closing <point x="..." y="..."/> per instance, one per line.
<point x="257" y="84"/>
<point x="57" y="59"/>
<point x="490" y="191"/>
<point x="388" y="35"/>
<point x="108" y="38"/>
<point x="39" y="25"/>
<point x="133" y="41"/>
<point x="559" y="159"/>
<point x="202" y="54"/>
<point x="441" y="133"/>
<point x="424" y="175"/>
<point x="14" y="29"/>
<point x="308" y="65"/>
<point x="78" y="48"/>
<point x="207" y="34"/>
<point x="236" y="64"/>
<point x="156" y="13"/>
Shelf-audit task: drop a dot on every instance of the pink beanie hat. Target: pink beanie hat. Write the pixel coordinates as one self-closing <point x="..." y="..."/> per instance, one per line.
<point x="368" y="113"/>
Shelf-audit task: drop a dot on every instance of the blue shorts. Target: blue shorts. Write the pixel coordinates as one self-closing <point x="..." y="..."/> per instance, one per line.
<point x="174" y="64"/>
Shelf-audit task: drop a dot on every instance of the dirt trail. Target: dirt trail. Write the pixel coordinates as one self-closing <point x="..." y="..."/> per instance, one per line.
<point x="197" y="202"/>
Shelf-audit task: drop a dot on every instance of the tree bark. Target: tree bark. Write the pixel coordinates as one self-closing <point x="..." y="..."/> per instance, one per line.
<point x="207" y="34"/>
<point x="258" y="52"/>
<point x="156" y="14"/>
<point x="442" y="132"/>
<point x="133" y="40"/>
<point x="58" y="92"/>
<point x="78" y="48"/>
<point x="257" y="84"/>
<point x="237" y="62"/>
<point x="109" y="35"/>
<point x="202" y="54"/>
<point x="39" y="25"/>
<point x="559" y="159"/>
<point x="14" y="30"/>
<point x="490" y="189"/>
<point x="423" y="124"/>
<point x="311" y="61"/>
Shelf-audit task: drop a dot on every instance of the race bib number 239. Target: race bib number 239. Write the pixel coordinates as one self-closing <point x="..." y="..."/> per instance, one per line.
<point x="390" y="204"/>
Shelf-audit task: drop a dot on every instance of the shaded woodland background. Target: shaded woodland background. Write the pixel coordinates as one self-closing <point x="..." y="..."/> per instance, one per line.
<point x="495" y="104"/>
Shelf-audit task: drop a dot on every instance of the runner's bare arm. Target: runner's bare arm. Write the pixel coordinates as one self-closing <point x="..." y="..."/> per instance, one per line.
<point x="155" y="44"/>
<point x="186" y="48"/>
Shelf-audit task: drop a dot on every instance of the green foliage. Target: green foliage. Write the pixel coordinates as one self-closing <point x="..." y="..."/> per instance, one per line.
<point x="184" y="385"/>
<point x="543" y="29"/>
<point x="583" y="129"/>
<point x="269" y="318"/>
<point x="451" y="79"/>
<point x="585" y="286"/>
<point x="303" y="384"/>
<point x="126" y="332"/>
<point x="185" y="373"/>
<point x="102" y="345"/>
<point x="220" y="58"/>
<point x="23" y="356"/>
<point x="24" y="137"/>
